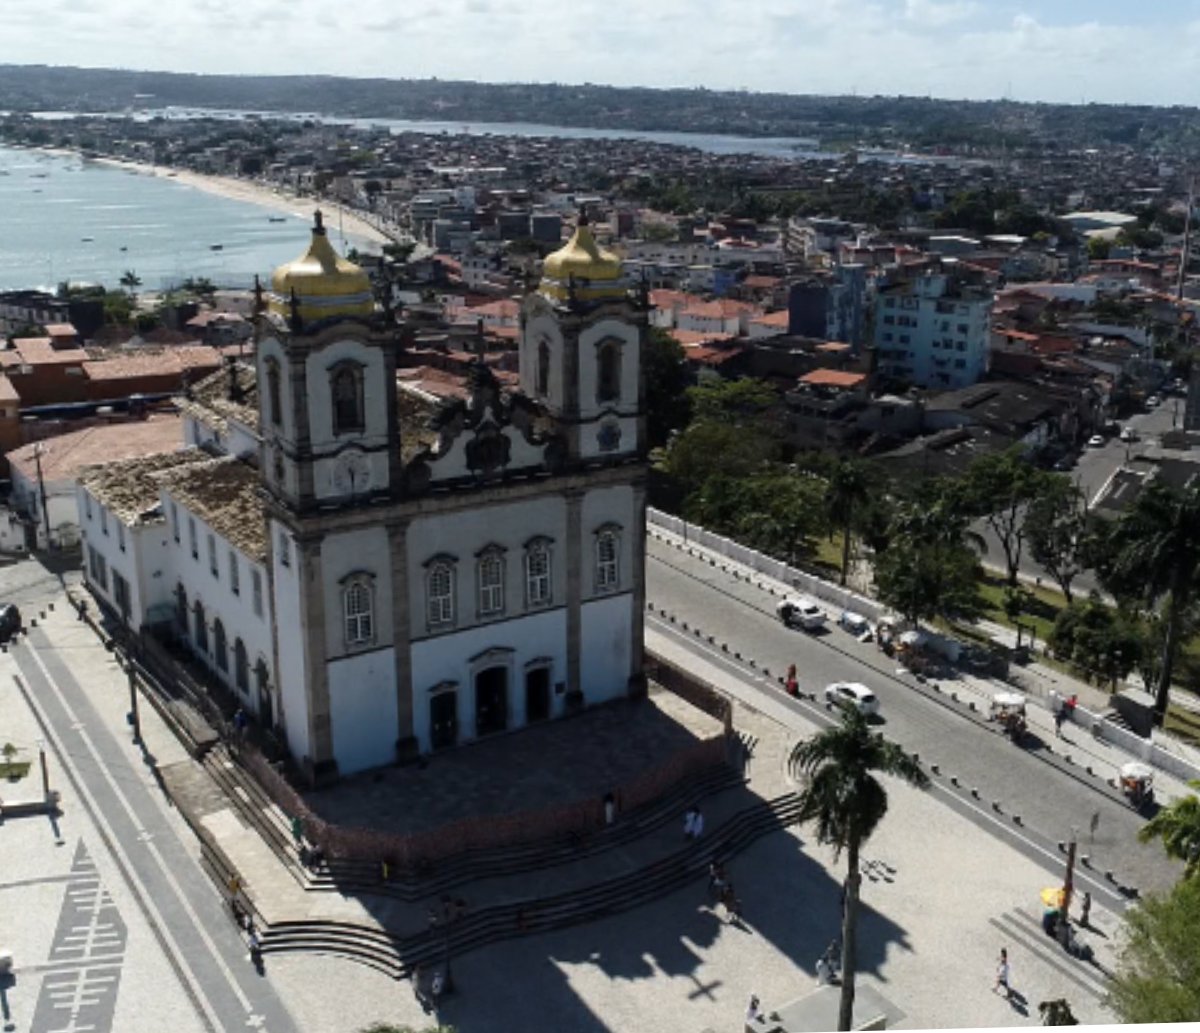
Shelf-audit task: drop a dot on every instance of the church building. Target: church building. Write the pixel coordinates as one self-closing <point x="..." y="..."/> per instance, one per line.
<point x="377" y="578"/>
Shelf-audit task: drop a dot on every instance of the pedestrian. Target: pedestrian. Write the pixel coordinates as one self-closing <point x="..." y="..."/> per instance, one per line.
<point x="753" y="1010"/>
<point x="610" y="808"/>
<point x="239" y="723"/>
<point x="793" y="685"/>
<point x="235" y="886"/>
<point x="1060" y="715"/>
<point x="1085" y="909"/>
<point x="689" y="820"/>
<point x="729" y="900"/>
<point x="697" y="823"/>
<point x="1095" y="824"/>
<point x="298" y="829"/>
<point x="824" y="976"/>
<point x="1003" y="974"/>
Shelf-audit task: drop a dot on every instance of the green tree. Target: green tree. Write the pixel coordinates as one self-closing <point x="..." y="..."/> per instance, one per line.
<point x="1154" y="556"/>
<point x="847" y="489"/>
<point x="1178" y="827"/>
<point x="1158" y="978"/>
<point x="1098" y="248"/>
<point x="744" y="402"/>
<point x="998" y="487"/>
<point x="665" y="373"/>
<point x="779" y="514"/>
<point x="1100" y="640"/>
<point x="930" y="567"/>
<point x="708" y="448"/>
<point x="845" y="800"/>
<point x="1057" y="530"/>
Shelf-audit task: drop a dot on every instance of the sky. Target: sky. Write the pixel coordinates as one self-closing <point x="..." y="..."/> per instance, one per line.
<point x="1121" y="51"/>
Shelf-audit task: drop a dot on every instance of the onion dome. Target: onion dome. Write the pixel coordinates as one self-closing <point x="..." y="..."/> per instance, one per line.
<point x="320" y="284"/>
<point x="582" y="270"/>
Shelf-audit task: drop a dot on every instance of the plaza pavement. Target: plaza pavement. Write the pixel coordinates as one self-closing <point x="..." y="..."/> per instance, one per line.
<point x="938" y="905"/>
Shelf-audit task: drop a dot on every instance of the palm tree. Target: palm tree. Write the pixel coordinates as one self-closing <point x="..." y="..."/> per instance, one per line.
<point x="846" y="490"/>
<point x="1178" y="826"/>
<point x="1156" y="555"/>
<point x="131" y="282"/>
<point x="845" y="800"/>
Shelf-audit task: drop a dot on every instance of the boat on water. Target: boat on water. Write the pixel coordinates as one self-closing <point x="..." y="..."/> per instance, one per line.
<point x="216" y="247"/>
<point x="277" y="218"/>
<point x="87" y="240"/>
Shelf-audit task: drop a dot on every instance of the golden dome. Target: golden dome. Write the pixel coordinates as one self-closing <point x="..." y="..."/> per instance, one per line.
<point x="596" y="273"/>
<point x="325" y="283"/>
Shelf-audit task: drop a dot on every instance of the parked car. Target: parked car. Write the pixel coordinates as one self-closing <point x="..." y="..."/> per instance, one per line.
<point x="1129" y="434"/>
<point x="853" y="694"/>
<point x="855" y="623"/>
<point x="1096" y="441"/>
<point x="10" y="621"/>
<point x="1152" y="402"/>
<point x="798" y="611"/>
<point x="1065" y="463"/>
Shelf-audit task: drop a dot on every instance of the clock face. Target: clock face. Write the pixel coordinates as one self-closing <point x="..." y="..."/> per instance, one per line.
<point x="352" y="473"/>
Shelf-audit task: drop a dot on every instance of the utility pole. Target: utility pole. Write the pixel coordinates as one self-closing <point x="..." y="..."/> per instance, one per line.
<point x="134" y="720"/>
<point x="37" y="459"/>
<point x="1069" y="882"/>
<point x="1186" y="253"/>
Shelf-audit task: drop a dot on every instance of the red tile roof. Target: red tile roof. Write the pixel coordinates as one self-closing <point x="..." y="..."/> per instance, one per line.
<point x="63" y="457"/>
<point x="779" y="318"/>
<point x="833" y="378"/>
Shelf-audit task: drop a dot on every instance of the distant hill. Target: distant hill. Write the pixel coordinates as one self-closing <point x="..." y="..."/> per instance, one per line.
<point x="915" y="121"/>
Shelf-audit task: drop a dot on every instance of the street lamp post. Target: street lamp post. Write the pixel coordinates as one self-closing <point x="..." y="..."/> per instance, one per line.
<point x="37" y="459"/>
<point x="134" y="720"/>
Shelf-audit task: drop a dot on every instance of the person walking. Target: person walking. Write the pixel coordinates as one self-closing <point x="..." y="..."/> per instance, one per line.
<point x="697" y="824"/>
<point x="1085" y="909"/>
<point x="754" y="1009"/>
<point x="689" y="820"/>
<point x="1003" y="975"/>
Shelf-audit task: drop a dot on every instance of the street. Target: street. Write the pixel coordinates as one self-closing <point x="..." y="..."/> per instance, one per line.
<point x="1051" y="801"/>
<point x="1091" y="473"/>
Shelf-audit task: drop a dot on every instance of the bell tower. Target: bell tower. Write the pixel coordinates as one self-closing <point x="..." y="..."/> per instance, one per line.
<point x="581" y="349"/>
<point x="325" y="361"/>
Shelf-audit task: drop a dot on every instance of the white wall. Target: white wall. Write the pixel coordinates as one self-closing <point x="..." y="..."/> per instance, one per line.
<point x="607" y="631"/>
<point x="362" y="697"/>
<point x="293" y="676"/>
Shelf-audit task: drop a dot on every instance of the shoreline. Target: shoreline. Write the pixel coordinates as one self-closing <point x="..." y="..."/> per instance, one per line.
<point x="258" y="194"/>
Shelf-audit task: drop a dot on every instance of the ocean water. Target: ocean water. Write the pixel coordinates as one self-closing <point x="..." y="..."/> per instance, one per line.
<point x="62" y="218"/>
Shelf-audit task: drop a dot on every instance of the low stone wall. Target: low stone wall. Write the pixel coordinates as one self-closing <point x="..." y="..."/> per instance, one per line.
<point x="694" y="690"/>
<point x="418" y="849"/>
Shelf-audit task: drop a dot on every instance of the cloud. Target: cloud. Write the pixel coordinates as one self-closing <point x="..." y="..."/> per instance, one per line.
<point x="936" y="14"/>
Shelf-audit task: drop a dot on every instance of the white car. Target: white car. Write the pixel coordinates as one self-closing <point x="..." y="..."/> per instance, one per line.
<point x="1152" y="401"/>
<point x="1095" y="441"/>
<point x="797" y="611"/>
<point x="854" y="694"/>
<point x="1129" y="434"/>
<point x="855" y="623"/>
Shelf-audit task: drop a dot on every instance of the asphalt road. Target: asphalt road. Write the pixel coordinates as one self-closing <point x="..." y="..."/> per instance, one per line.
<point x="1091" y="473"/>
<point x="1051" y="799"/>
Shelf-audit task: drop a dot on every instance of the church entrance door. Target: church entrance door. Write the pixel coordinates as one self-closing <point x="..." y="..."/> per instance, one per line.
<point x="443" y="713"/>
<point x="537" y="694"/>
<point x="491" y="701"/>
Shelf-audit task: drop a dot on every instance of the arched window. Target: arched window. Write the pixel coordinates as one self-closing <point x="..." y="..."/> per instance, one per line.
<point x="219" y="651"/>
<point x="241" y="668"/>
<point x="201" y="635"/>
<point x="274" y="398"/>
<point x="491" y="582"/>
<point x="345" y="385"/>
<point x="608" y="557"/>
<point x="358" y="610"/>
<point x="537" y="572"/>
<point x="543" y="368"/>
<point x="608" y="381"/>
<point x="440" y="592"/>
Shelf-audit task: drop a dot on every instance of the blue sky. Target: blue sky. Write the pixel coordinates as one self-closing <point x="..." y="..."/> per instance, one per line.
<point x="1059" y="50"/>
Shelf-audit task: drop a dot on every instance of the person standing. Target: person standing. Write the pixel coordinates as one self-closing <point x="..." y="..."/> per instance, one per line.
<point x="1003" y="974"/>
<point x="697" y="823"/>
<point x="753" y="1009"/>
<point x="1085" y="910"/>
<point x="689" y="820"/>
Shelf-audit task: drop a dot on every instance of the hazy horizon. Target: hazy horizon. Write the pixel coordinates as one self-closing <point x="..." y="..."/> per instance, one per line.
<point x="1067" y="51"/>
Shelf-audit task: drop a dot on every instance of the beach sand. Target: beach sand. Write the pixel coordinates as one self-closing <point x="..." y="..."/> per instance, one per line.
<point x="275" y="198"/>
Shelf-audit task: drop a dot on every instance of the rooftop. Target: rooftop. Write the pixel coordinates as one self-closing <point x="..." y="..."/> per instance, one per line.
<point x="128" y="488"/>
<point x="225" y="494"/>
<point x="209" y="400"/>
<point x="833" y="378"/>
<point x="64" y="457"/>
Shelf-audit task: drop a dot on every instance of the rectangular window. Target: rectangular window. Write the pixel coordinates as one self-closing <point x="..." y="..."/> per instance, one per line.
<point x="175" y="521"/>
<point x="963" y="328"/>
<point x="192" y="538"/>
<point x="960" y="363"/>
<point x="121" y="593"/>
<point x="120" y="536"/>
<point x="87" y="505"/>
<point x="441" y="594"/>
<point x="606" y="561"/>
<point x="537" y="575"/>
<point x="104" y="520"/>
<point x="285" y="552"/>
<point x="491" y="584"/>
<point x="213" y="568"/>
<point x="234" y="584"/>
<point x="99" y="568"/>
<point x="256" y="590"/>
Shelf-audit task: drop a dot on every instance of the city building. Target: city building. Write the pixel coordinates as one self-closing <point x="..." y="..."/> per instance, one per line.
<point x="379" y="576"/>
<point x="933" y="331"/>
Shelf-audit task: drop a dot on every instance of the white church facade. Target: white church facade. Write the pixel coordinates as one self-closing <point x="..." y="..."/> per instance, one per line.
<point x="390" y="580"/>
